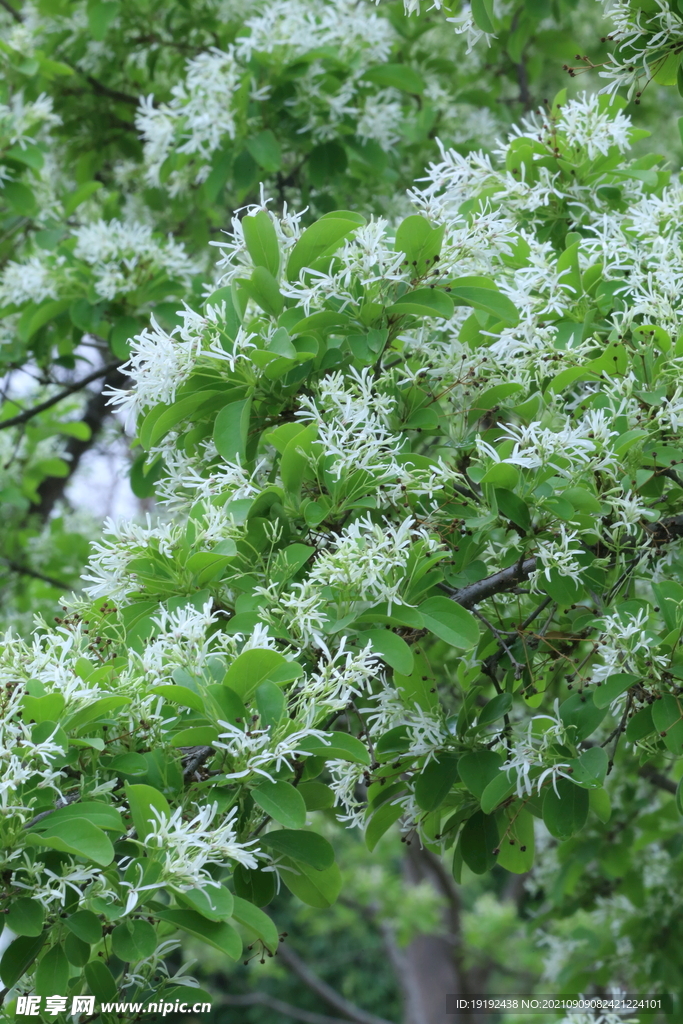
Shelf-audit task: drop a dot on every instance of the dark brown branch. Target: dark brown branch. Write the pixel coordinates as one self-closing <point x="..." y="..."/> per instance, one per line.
<point x="28" y="414"/>
<point x="52" y="489"/>
<point x="194" y="758"/>
<point x="23" y="570"/>
<point x="657" y="779"/>
<point x="10" y="10"/>
<point x="113" y="94"/>
<point x="325" y="991"/>
<point x="665" y="530"/>
<point x="263" y="999"/>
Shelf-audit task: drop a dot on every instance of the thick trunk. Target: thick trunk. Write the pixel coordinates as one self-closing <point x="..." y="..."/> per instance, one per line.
<point x="431" y="967"/>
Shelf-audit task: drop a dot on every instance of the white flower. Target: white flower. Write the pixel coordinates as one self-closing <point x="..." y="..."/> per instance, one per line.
<point x="560" y="555"/>
<point x="187" y="847"/>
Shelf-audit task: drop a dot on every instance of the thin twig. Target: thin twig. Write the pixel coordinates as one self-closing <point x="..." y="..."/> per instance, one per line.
<point x="23" y="570"/>
<point x="325" y="991"/>
<point x="519" y="668"/>
<point x="279" y="1006"/>
<point x="62" y="802"/>
<point x="28" y="414"/>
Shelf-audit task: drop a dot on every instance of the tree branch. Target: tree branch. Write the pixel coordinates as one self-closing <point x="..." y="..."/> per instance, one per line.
<point x="194" y="757"/>
<point x="51" y="490"/>
<point x="663" y="532"/>
<point x="657" y="779"/>
<point x="506" y="579"/>
<point x="325" y="991"/>
<point x="61" y="802"/>
<point x="113" y="94"/>
<point x="10" y="10"/>
<point x="24" y="570"/>
<point x="263" y="999"/>
<point x="28" y="414"/>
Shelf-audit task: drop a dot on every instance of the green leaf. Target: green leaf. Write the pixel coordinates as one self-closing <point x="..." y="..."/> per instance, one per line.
<point x="52" y="973"/>
<point x="265" y="150"/>
<point x="103" y="815"/>
<point x="98" y="709"/>
<point x="498" y="789"/>
<point x="393" y="649"/>
<point x="516" y="826"/>
<point x="591" y="767"/>
<point x="482" y="14"/>
<point x="20" y="198"/>
<point x="123" y="331"/>
<point x="479" y="768"/>
<point x="423" y="302"/>
<point x="143" y="801"/>
<point x="270" y="703"/>
<point x="195" y="736"/>
<point x="294" y="462"/>
<point x="214" y="902"/>
<point x="501" y="475"/>
<point x="566" y="814"/>
<point x="255" y="885"/>
<point x="128" y="764"/>
<point x="395" y="76"/>
<point x="282" y="802"/>
<point x="380" y="822"/>
<point x="478" y="840"/>
<point x="83" y="192"/>
<point x="19" y="956"/>
<point x="341" y="746"/>
<point x="25" y="917"/>
<point x="640" y="726"/>
<point x="133" y="940"/>
<point x="181" y="695"/>
<point x="231" y="430"/>
<point x="250" y="668"/>
<point x="488" y="299"/>
<point x="76" y="951"/>
<point x="30" y="155"/>
<point x="263" y="289"/>
<point x="667" y="70"/>
<point x="261" y="241"/>
<point x="318" y="889"/>
<point x="219" y="934"/>
<point x="667" y="716"/>
<point x="325" y="162"/>
<point x="76" y="836"/>
<point x="321" y="239"/>
<point x="581" y="716"/>
<point x="259" y="923"/>
<point x="450" y="622"/>
<point x="307" y="847"/>
<point x="513" y="508"/>
<point x="434" y="783"/>
<point x="317" y="796"/>
<point x="100" y="17"/>
<point x="612" y="688"/>
<point x="85" y="925"/>
<point x="495" y="709"/>
<point x="43" y="709"/>
<point x="48" y="311"/>
<point x="100" y="980"/>
<point x="600" y="804"/>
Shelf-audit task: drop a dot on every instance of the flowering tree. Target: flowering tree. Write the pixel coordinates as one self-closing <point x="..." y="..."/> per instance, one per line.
<point x="415" y="554"/>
